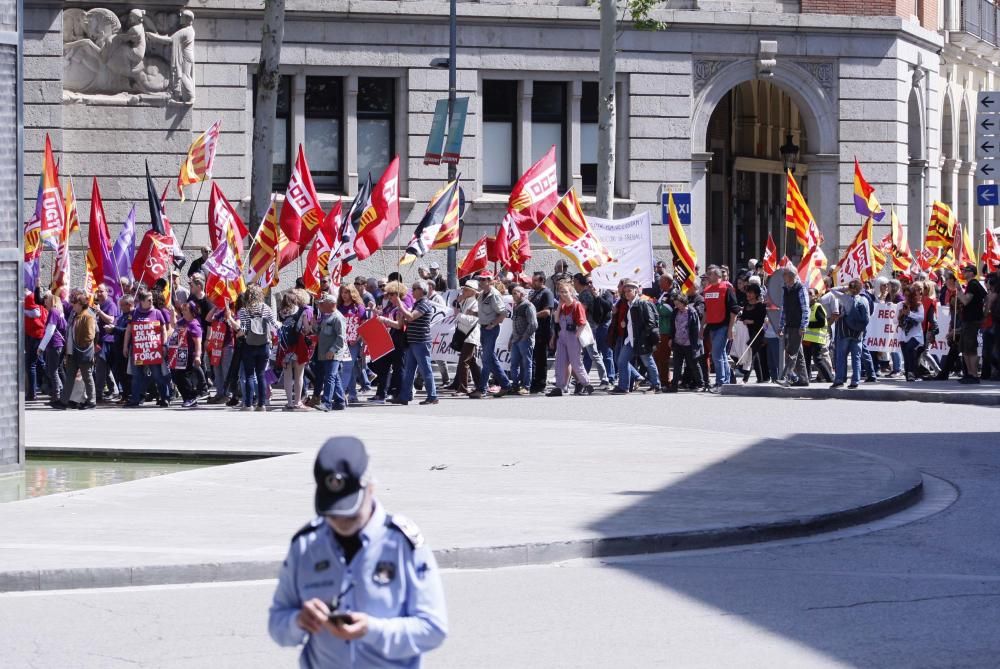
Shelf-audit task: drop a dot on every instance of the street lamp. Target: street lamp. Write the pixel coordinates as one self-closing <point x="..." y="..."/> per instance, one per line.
<point x="789" y="156"/>
<point x="452" y="167"/>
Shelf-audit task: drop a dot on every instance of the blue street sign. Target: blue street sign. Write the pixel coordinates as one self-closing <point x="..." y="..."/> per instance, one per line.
<point x="988" y="195"/>
<point x="682" y="201"/>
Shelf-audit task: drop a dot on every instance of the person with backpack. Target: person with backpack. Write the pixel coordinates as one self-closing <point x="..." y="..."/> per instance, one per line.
<point x="850" y="326"/>
<point x="794" y="320"/>
<point x="256" y="323"/>
<point x="297" y="344"/>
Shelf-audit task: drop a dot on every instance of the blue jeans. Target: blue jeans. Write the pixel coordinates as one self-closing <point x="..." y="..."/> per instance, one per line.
<point x="897" y="361"/>
<point x="328" y="373"/>
<point x="625" y="369"/>
<point x="254" y="363"/>
<point x="140" y="381"/>
<point x="847" y="345"/>
<point x="601" y="338"/>
<point x="491" y="364"/>
<point x="773" y="357"/>
<point x="349" y="370"/>
<point x="867" y="363"/>
<point x="720" y="354"/>
<point x="521" y="363"/>
<point x="418" y="356"/>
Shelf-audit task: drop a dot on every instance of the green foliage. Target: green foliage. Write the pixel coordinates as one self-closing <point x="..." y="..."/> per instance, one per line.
<point x="638" y="11"/>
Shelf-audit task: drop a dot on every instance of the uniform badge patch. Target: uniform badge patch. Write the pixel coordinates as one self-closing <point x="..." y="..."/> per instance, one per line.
<point x="322" y="565"/>
<point x="384" y="573"/>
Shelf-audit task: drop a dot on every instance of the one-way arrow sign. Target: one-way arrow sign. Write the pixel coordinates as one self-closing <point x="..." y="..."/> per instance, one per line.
<point x="988" y="101"/>
<point x="987" y="124"/>
<point x="987" y="147"/>
<point x="988" y="169"/>
<point x="988" y="195"/>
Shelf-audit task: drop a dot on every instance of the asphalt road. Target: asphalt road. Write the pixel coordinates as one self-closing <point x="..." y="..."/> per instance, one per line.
<point x="925" y="593"/>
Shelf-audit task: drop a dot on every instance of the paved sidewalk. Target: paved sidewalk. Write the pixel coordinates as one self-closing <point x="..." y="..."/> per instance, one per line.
<point x="986" y="393"/>
<point x="485" y="491"/>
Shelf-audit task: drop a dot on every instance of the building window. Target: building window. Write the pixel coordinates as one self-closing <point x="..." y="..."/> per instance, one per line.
<point x="376" y="125"/>
<point x="499" y="135"/>
<point x="589" y="101"/>
<point x="282" y="131"/>
<point x="324" y="112"/>
<point x="548" y="123"/>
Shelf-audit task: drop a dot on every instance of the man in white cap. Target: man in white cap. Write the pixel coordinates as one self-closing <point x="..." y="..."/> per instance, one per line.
<point x="359" y="586"/>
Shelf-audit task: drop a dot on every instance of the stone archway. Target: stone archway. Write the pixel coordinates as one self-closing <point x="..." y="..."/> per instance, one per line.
<point x="819" y="118"/>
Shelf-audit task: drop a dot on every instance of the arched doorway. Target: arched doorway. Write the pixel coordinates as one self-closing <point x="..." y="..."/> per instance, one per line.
<point x="746" y="192"/>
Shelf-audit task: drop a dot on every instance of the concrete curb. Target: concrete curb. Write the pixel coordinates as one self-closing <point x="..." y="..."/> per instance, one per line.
<point x="865" y="395"/>
<point x="481" y="557"/>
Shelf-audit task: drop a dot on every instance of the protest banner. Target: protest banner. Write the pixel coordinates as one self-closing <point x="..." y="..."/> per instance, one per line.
<point x="147" y="343"/>
<point x="630" y="245"/>
<point x="881" y="334"/>
<point x="376" y="337"/>
<point x="443" y="329"/>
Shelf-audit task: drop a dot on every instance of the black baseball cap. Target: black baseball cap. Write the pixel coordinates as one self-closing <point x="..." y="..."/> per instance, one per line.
<point x="339" y="471"/>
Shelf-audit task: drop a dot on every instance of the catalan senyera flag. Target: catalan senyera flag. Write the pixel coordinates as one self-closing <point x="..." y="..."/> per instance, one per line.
<point x="61" y="267"/>
<point x="902" y="257"/>
<point x="566" y="229"/>
<point x="267" y="245"/>
<point x="797" y="213"/>
<point x="381" y="218"/>
<point x="770" y="259"/>
<point x="223" y="220"/>
<point x="475" y="260"/>
<point x="200" y="158"/>
<point x="100" y="265"/>
<point x="301" y="213"/>
<point x="941" y="230"/>
<point x="810" y="273"/>
<point x="859" y="260"/>
<point x="865" y="202"/>
<point x="440" y="220"/>
<point x="991" y="251"/>
<point x="53" y="213"/>
<point x="964" y="253"/>
<point x="318" y="259"/>
<point x="685" y="259"/>
<point x="535" y="194"/>
<point x="814" y="242"/>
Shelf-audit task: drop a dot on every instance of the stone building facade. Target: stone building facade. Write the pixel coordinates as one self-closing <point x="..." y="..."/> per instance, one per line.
<point x="704" y="106"/>
<point x="11" y="245"/>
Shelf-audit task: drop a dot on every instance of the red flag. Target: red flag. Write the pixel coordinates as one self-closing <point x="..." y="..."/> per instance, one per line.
<point x="809" y="271"/>
<point x="534" y="195"/>
<point x="381" y="218"/>
<point x="770" y="254"/>
<point x="99" y="263"/>
<point x="153" y="258"/>
<point x="491" y="249"/>
<point x="301" y="213"/>
<point x="318" y="260"/>
<point x="222" y="218"/>
<point x="476" y="259"/>
<point x="52" y="209"/>
<point x="991" y="253"/>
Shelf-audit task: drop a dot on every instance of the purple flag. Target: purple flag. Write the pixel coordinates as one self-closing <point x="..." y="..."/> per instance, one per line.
<point x="124" y="248"/>
<point x="30" y="273"/>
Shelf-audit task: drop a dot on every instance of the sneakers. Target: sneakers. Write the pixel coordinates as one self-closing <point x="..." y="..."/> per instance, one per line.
<point x="189" y="404"/>
<point x="246" y="408"/>
<point x="321" y="407"/>
<point x="233" y="402"/>
<point x="93" y="405"/>
<point x="853" y="386"/>
<point x="555" y="392"/>
<point x="618" y="391"/>
<point x="605" y="385"/>
<point x="523" y="391"/>
<point x="836" y="384"/>
<point x="800" y="384"/>
<point x="429" y="400"/>
<point x="784" y="383"/>
<point x="259" y="408"/>
<point x="501" y="392"/>
<point x="589" y="389"/>
<point x="375" y="399"/>
<point x="396" y="400"/>
<point x="475" y="395"/>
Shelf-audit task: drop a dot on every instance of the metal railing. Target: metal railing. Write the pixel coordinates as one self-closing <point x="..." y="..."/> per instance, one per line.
<point x="981" y="18"/>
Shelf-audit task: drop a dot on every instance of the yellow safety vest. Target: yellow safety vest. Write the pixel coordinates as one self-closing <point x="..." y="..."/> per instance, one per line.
<point x="819" y="336"/>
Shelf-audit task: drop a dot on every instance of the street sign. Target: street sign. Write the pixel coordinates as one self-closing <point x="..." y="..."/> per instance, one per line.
<point x="988" y="195"/>
<point x="988" y="102"/>
<point x="988" y="169"/>
<point x="987" y="124"/>
<point x="682" y="201"/>
<point x="987" y="147"/>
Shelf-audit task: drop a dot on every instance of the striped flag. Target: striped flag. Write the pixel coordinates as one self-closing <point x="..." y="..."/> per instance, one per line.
<point x="685" y="259"/>
<point x="318" y="260"/>
<point x="224" y="273"/>
<point x="53" y="213"/>
<point x="200" y="158"/>
<point x="438" y="228"/>
<point x="941" y="231"/>
<point x="535" y="193"/>
<point x="797" y="213"/>
<point x="902" y="257"/>
<point x="865" y="202"/>
<point x="223" y="220"/>
<point x="33" y="229"/>
<point x="962" y="248"/>
<point x="566" y="229"/>
<point x="61" y="267"/>
<point x="267" y="247"/>
<point x="810" y="273"/>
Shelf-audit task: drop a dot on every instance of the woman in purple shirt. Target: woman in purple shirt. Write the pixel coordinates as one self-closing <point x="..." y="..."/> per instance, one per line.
<point x="53" y="341"/>
<point x="352" y="308"/>
<point x="184" y="355"/>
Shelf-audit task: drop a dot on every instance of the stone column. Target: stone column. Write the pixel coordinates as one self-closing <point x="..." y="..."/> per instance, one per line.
<point x="916" y="204"/>
<point x="573" y="136"/>
<point x="350" y="130"/>
<point x="524" y="127"/>
<point x="965" y="176"/>
<point x="297" y="115"/>
<point x="700" y="163"/>
<point x="824" y="198"/>
<point x="949" y="182"/>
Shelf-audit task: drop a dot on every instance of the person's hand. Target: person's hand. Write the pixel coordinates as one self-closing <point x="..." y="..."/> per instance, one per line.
<point x="313" y="616"/>
<point x="355" y="629"/>
<point x="328" y="356"/>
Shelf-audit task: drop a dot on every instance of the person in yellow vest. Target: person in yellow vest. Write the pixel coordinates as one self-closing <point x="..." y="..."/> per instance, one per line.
<point x="816" y="339"/>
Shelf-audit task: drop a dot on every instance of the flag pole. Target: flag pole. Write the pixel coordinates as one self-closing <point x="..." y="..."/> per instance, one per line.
<point x="194" y="206"/>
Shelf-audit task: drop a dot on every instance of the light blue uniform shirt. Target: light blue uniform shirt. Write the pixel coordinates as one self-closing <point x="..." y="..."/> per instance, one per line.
<point x="393" y="578"/>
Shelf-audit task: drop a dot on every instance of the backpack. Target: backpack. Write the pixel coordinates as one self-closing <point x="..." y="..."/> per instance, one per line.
<point x="857" y="318"/>
<point x="257" y="334"/>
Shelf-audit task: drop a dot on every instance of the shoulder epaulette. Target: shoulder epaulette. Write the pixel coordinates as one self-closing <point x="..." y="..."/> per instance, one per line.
<point x="309" y="527"/>
<point x="407" y="527"/>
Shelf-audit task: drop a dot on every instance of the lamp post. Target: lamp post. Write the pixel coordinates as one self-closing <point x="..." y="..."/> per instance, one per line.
<point x="789" y="156"/>
<point x="452" y="167"/>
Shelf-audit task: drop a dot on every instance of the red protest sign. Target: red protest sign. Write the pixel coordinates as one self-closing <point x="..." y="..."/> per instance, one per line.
<point x="216" y="343"/>
<point x="376" y="337"/>
<point x="147" y="343"/>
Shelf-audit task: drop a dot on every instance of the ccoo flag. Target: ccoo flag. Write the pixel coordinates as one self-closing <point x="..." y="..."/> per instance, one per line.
<point x="381" y="218"/>
<point x="301" y="213"/>
<point x="566" y="229"/>
<point x="865" y="202"/>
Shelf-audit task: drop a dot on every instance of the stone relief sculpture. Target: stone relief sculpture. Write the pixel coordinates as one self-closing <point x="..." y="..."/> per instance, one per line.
<point x="106" y="59"/>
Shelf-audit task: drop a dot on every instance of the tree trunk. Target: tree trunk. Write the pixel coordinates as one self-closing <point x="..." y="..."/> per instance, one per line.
<point x="606" y="111"/>
<point x="262" y="161"/>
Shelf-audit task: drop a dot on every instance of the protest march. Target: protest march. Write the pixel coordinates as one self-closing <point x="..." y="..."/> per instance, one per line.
<point x="610" y="317"/>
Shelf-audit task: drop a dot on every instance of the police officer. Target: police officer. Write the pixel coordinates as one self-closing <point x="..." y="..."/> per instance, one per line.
<point x="359" y="586"/>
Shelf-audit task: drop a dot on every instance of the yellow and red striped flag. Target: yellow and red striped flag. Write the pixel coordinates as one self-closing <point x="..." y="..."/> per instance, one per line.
<point x="797" y="214"/>
<point x="941" y="231"/>
<point x="685" y="259"/>
<point x="810" y="273"/>
<point x="902" y="257"/>
<point x="200" y="158"/>
<point x="267" y="247"/>
<point x="991" y="251"/>
<point x="438" y="229"/>
<point x="61" y="267"/>
<point x="566" y="229"/>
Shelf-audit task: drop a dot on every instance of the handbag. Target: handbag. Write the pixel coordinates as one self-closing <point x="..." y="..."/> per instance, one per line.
<point x="458" y="340"/>
<point x="585" y="335"/>
<point x="84" y="356"/>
